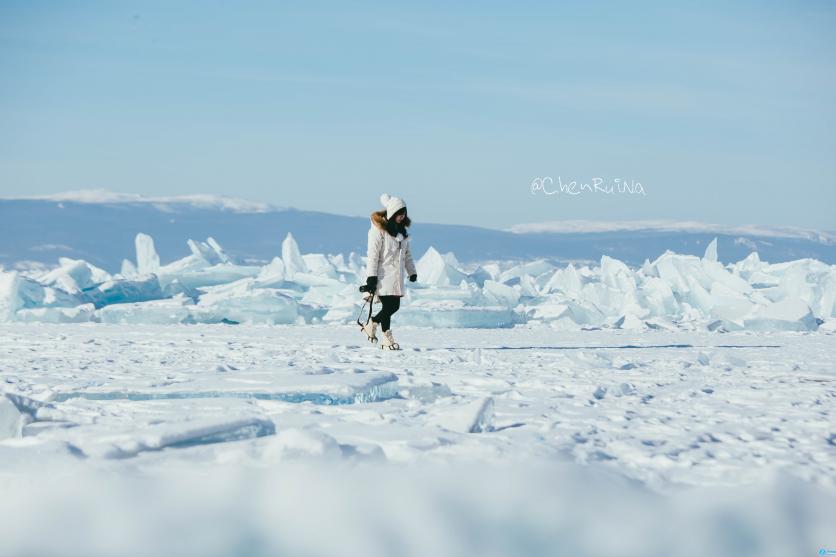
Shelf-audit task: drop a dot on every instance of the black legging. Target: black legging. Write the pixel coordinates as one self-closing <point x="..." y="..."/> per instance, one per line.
<point x="390" y="306"/>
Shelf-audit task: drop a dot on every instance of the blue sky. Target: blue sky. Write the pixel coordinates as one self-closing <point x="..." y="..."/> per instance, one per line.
<point x="725" y="113"/>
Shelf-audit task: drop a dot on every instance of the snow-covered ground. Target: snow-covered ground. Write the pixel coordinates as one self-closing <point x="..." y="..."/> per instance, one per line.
<point x="307" y="440"/>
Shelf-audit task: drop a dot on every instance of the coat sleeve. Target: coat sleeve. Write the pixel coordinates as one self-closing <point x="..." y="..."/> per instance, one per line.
<point x="374" y="251"/>
<point x="410" y="264"/>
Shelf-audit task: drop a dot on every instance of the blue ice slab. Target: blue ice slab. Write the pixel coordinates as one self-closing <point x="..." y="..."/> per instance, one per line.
<point x="476" y="317"/>
<point x="332" y="389"/>
<point x="257" y="428"/>
<point x="124" y="291"/>
<point x="103" y="441"/>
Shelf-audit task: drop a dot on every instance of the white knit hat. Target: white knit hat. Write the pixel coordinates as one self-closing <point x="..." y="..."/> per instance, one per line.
<point x="392" y="204"/>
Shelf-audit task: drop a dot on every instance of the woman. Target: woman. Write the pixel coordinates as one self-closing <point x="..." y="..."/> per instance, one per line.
<point x="388" y="253"/>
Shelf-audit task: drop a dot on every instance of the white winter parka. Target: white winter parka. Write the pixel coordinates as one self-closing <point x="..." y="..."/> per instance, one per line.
<point x="387" y="256"/>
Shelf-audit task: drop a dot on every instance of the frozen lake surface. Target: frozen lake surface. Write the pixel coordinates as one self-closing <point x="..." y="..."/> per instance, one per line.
<point x="526" y="418"/>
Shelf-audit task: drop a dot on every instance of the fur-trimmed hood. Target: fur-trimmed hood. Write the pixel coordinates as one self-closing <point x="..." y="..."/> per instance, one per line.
<point x="379" y="220"/>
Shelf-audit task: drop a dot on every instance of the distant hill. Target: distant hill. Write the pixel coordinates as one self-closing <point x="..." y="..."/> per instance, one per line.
<point x="100" y="227"/>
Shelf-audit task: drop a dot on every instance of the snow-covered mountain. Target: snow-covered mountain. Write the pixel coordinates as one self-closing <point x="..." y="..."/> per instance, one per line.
<point x="100" y="227"/>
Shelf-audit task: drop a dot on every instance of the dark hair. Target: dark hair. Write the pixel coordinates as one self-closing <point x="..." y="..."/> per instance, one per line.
<point x="393" y="227"/>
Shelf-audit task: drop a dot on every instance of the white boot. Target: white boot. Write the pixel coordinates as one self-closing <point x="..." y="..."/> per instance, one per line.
<point x="389" y="341"/>
<point x="370" y="329"/>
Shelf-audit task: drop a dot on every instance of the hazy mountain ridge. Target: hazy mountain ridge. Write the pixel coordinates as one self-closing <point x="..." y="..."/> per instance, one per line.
<point x="100" y="227"/>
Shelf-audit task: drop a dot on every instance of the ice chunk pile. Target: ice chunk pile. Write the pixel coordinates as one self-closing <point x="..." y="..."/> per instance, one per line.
<point x="211" y="286"/>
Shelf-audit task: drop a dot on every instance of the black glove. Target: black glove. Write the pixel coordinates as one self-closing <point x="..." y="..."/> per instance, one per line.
<point x="413" y="278"/>
<point x="371" y="284"/>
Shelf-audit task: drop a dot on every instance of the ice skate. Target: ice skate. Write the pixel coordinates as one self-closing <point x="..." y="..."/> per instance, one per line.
<point x="370" y="328"/>
<point x="389" y="341"/>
